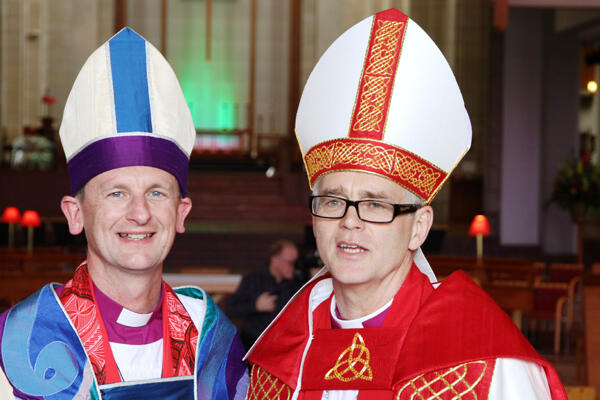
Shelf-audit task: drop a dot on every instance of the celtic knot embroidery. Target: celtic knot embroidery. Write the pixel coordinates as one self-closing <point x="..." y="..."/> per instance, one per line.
<point x="383" y="52"/>
<point x="263" y="385"/>
<point x="403" y="167"/>
<point x="457" y="382"/>
<point x="377" y="80"/>
<point x="353" y="363"/>
<point x="372" y="100"/>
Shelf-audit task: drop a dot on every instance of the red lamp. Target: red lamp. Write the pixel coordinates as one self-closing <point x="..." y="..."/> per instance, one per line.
<point x="48" y="99"/>
<point x="11" y="216"/>
<point x="480" y="227"/>
<point x="30" y="219"/>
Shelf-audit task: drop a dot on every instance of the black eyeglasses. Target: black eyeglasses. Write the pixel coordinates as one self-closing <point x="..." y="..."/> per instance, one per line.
<point x="377" y="211"/>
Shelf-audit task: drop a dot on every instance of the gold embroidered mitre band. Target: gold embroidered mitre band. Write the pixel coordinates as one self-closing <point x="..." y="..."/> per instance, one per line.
<point x="383" y="100"/>
<point x="401" y="166"/>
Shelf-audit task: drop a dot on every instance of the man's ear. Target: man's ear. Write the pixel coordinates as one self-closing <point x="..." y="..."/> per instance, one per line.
<point x="183" y="209"/>
<point x="71" y="208"/>
<point x="423" y="219"/>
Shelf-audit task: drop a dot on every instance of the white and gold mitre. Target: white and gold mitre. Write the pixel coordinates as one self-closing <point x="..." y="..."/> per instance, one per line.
<point x="382" y="99"/>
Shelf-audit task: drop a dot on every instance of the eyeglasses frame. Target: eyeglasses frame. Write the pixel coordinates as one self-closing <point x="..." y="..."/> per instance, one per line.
<point x="399" y="209"/>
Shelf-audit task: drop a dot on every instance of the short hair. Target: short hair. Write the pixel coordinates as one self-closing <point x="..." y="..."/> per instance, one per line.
<point x="81" y="193"/>
<point x="277" y="247"/>
<point x="411" y="197"/>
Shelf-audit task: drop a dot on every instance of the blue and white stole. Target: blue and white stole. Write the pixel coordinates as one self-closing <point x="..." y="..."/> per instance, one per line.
<point x="43" y="357"/>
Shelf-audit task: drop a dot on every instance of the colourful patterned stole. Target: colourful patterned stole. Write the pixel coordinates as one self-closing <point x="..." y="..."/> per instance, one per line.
<point x="180" y="336"/>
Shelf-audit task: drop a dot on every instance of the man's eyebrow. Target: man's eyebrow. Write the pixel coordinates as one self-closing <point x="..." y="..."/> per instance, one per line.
<point x="367" y="194"/>
<point x="336" y="191"/>
<point x="113" y="186"/>
<point x="159" y="185"/>
<point x="119" y="185"/>
<point x="363" y="194"/>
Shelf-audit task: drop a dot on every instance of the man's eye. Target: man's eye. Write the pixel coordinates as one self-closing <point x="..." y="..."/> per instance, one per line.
<point x="375" y="205"/>
<point x="332" y="203"/>
<point x="116" y="194"/>
<point x="156" y="193"/>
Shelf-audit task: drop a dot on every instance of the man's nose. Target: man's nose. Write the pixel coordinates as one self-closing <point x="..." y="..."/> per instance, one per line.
<point x="351" y="220"/>
<point x="139" y="210"/>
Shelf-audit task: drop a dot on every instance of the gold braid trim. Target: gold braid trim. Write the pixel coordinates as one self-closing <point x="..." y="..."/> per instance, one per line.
<point x="450" y="383"/>
<point x="263" y="385"/>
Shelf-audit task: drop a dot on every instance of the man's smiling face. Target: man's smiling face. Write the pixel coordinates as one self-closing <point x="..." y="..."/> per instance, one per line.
<point x="130" y="216"/>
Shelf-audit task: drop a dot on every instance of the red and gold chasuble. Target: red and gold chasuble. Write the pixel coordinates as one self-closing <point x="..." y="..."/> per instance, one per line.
<point x="438" y="344"/>
<point x="180" y="336"/>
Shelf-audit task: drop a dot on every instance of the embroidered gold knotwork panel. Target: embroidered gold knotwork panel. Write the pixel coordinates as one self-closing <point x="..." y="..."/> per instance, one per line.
<point x="372" y="101"/>
<point x="459" y="382"/>
<point x="377" y="80"/>
<point x="263" y="385"/>
<point x="385" y="43"/>
<point x="401" y="166"/>
<point x="353" y="363"/>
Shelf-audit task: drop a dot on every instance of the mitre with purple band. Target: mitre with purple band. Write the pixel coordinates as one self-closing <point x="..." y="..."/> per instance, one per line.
<point x="382" y="99"/>
<point x="126" y="108"/>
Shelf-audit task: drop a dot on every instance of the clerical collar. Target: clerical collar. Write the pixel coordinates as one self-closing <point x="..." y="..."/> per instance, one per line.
<point x="133" y="319"/>
<point x="373" y="320"/>
<point x="128" y="327"/>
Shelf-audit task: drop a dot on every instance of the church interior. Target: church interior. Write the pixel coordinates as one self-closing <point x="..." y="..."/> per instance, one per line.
<point x="528" y="72"/>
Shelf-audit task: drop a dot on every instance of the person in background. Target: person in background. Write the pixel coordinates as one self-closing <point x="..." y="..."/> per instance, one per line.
<point x="381" y="125"/>
<point x="117" y="330"/>
<point x="263" y="293"/>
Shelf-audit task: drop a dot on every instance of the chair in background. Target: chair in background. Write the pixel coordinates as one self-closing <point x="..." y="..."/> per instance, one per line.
<point x="571" y="275"/>
<point x="557" y="292"/>
<point x="549" y="307"/>
<point x="564" y="272"/>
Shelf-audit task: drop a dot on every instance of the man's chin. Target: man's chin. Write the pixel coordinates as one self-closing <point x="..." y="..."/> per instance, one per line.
<point x="349" y="278"/>
<point x="140" y="265"/>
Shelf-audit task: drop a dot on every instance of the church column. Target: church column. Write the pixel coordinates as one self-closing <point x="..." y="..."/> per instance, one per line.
<point x="560" y="130"/>
<point x="521" y="129"/>
<point x="289" y="146"/>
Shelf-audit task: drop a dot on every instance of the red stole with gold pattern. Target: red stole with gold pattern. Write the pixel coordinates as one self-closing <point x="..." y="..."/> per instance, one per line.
<point x="180" y="336"/>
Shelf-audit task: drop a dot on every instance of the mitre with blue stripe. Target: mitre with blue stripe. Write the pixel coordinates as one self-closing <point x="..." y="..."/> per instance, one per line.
<point x="126" y="108"/>
<point x="383" y="100"/>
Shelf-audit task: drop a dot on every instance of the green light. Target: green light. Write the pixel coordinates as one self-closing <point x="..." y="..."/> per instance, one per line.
<point x="209" y="95"/>
<point x="208" y="86"/>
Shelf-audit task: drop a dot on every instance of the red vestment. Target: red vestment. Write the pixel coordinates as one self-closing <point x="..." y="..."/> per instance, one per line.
<point x="439" y="342"/>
